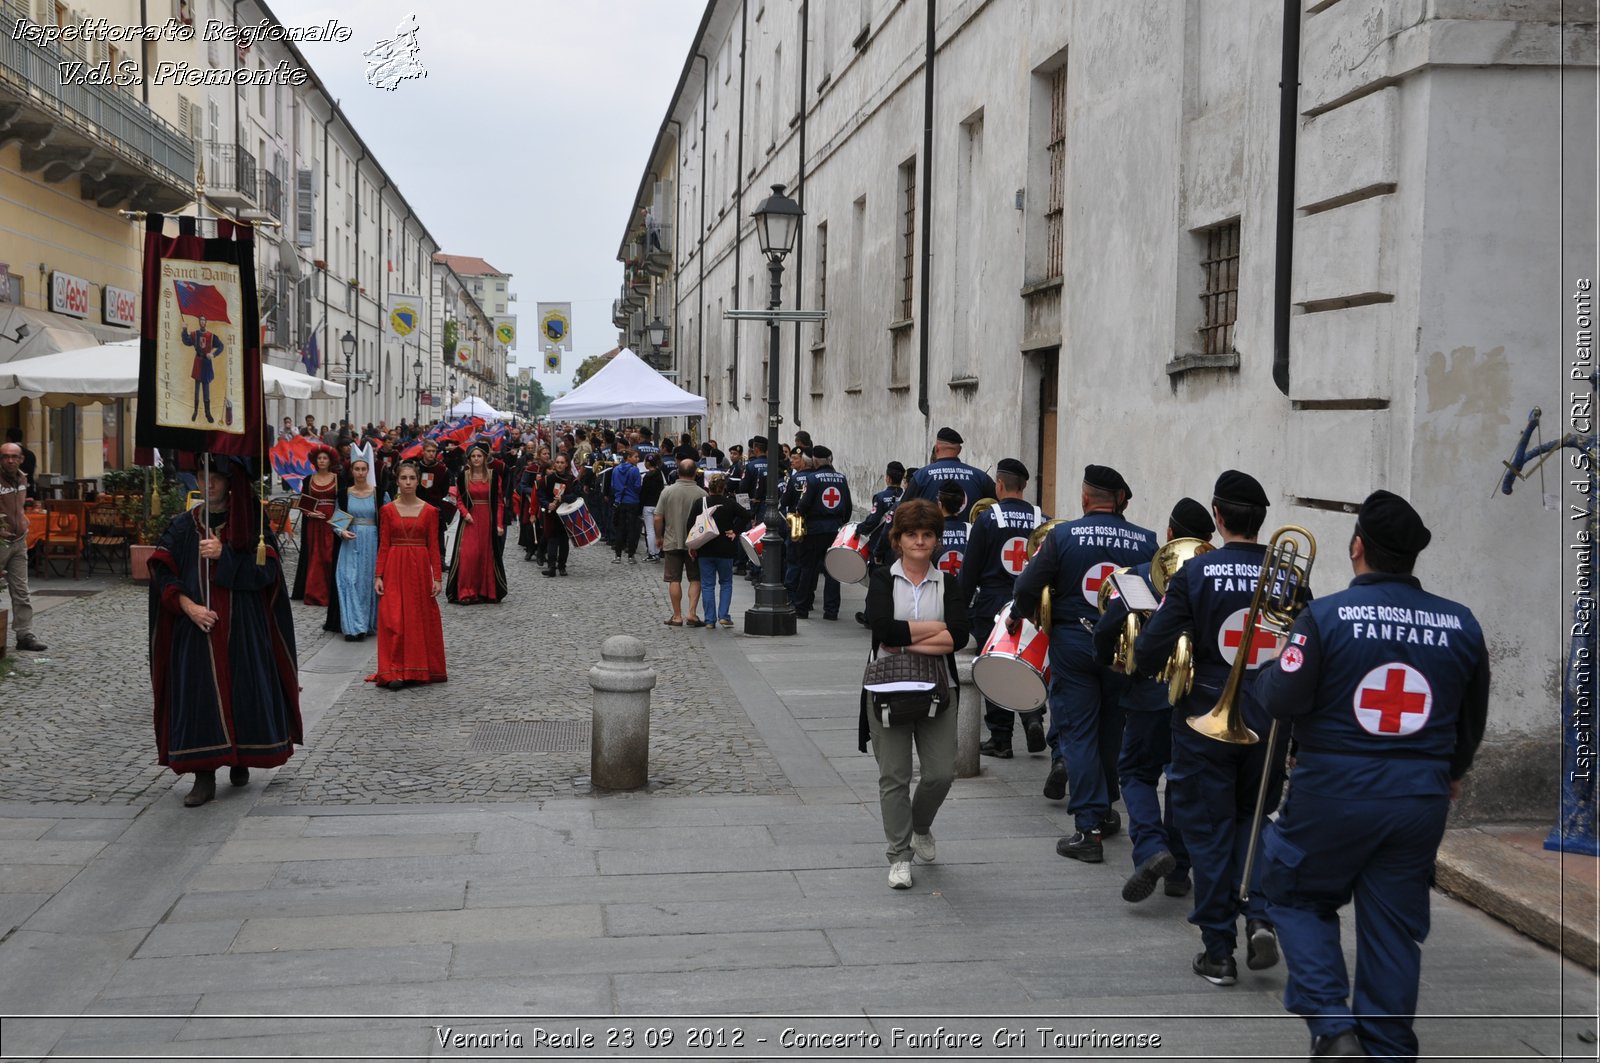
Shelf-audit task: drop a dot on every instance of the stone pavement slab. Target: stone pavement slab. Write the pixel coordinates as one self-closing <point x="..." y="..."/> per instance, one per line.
<point x="360" y="881"/>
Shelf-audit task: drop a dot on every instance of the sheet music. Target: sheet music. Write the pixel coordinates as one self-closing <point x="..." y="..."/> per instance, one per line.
<point x="1135" y="592"/>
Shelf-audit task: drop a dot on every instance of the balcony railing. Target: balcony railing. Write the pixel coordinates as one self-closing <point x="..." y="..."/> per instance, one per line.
<point x="271" y="194"/>
<point x="231" y="175"/>
<point x="99" y="131"/>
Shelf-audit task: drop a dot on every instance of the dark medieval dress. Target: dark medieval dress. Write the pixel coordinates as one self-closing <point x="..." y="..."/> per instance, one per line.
<point x="477" y="566"/>
<point x="230" y="697"/>
<point x="313" y="577"/>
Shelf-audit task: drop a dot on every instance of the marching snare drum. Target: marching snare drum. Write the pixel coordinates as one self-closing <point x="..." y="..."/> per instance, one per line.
<point x="846" y="559"/>
<point x="1013" y="670"/>
<point x="579" y="522"/>
<point x="751" y="541"/>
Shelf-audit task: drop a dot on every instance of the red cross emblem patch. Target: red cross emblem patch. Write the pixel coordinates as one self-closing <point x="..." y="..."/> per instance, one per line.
<point x="831" y="497"/>
<point x="1093" y="578"/>
<point x="1393" y="699"/>
<point x="1014" y="555"/>
<point x="1263" y="644"/>
<point x="950" y="563"/>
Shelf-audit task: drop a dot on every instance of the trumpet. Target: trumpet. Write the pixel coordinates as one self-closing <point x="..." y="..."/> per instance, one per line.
<point x="1036" y="540"/>
<point x="1280" y="595"/>
<point x="1178" y="672"/>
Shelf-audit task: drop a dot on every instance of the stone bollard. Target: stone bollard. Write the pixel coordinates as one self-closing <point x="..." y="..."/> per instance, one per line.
<point x="619" y="734"/>
<point x="969" y="724"/>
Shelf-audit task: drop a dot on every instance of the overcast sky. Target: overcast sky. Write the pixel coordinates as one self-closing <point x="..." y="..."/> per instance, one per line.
<point x="525" y="143"/>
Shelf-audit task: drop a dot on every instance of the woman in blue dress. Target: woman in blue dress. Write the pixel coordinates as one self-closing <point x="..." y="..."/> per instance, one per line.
<point x="353" y="609"/>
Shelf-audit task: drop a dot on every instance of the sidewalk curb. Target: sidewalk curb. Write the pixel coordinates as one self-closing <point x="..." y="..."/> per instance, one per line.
<point x="1520" y="890"/>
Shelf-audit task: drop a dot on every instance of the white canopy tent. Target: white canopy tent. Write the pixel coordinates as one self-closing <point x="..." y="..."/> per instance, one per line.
<point x="627" y="387"/>
<point x="472" y="406"/>
<point x="111" y="371"/>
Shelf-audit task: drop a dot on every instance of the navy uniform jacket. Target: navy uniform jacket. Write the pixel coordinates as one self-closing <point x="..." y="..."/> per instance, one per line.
<point x="1204" y="595"/>
<point x="1143" y="695"/>
<point x="1072" y="561"/>
<point x="754" y="481"/>
<point x="928" y="479"/>
<point x="794" y="488"/>
<point x="825" y="501"/>
<point x="1387" y="687"/>
<point x="875" y="525"/>
<point x="997" y="550"/>
<point x="950" y="556"/>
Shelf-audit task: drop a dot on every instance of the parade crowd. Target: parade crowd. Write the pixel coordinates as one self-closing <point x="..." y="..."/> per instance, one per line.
<point x="1375" y="696"/>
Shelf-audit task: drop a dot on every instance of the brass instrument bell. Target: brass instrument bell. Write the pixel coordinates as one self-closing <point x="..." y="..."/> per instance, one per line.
<point x="1280" y="595"/>
<point x="1035" y="540"/>
<point x="980" y="507"/>
<point x="1178" y="672"/>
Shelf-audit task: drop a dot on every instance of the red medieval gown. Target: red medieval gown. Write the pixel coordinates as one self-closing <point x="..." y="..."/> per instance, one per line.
<point x="475" y="573"/>
<point x="410" y="631"/>
<point x="313" y="578"/>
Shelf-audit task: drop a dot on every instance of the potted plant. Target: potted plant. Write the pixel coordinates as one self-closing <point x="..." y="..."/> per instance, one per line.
<point x="147" y="515"/>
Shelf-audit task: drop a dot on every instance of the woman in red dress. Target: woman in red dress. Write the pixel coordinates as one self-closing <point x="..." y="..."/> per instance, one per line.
<point x="410" y="631"/>
<point x="476" y="571"/>
<point x="313" y="577"/>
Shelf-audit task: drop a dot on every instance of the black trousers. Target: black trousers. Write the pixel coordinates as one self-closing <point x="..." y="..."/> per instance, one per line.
<point x="556" y="546"/>
<point x="629" y="522"/>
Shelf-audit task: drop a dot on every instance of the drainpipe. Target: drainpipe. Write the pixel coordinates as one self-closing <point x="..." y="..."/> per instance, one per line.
<point x="1288" y="117"/>
<point x="927" y="209"/>
<point x="383" y="283"/>
<point x="800" y="197"/>
<point x="355" y="297"/>
<point x="677" y="215"/>
<point x="738" y="207"/>
<point x="327" y="252"/>
<point x="700" y="222"/>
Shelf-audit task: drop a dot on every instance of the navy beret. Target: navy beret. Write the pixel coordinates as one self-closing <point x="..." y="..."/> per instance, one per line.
<point x="1239" y="488"/>
<point x="1191" y="518"/>
<point x="1105" y="478"/>
<point x="1013" y="467"/>
<point x="1388" y="521"/>
<point x="949" y="435"/>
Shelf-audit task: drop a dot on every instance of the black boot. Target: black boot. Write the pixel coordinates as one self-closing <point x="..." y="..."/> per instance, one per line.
<point x="238" y="775"/>
<point x="205" y="788"/>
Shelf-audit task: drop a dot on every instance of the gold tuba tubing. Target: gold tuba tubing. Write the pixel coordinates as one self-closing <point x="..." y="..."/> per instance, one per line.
<point x="1280" y="595"/>
<point x="797" y="526"/>
<point x="1035" y="540"/>
<point x="1178" y="672"/>
<point x="979" y="508"/>
<point x="1122" y="658"/>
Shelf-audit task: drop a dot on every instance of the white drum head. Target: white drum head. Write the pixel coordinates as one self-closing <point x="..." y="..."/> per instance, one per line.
<point x="1009" y="683"/>
<point x="845" y="565"/>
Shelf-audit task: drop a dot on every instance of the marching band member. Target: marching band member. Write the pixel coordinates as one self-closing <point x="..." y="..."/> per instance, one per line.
<point x="794" y="489"/>
<point x="946" y="465"/>
<point x="1387" y="717"/>
<point x="626" y="484"/>
<point x="1085" y="722"/>
<point x="1214" y="784"/>
<point x="996" y="552"/>
<point x="754" y="484"/>
<point x="825" y="505"/>
<point x="558" y="486"/>
<point x="1158" y="849"/>
<point x="875" y="526"/>
<point x="952" y="554"/>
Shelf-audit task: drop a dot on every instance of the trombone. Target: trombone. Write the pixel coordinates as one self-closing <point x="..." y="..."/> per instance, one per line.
<point x="1280" y="595"/>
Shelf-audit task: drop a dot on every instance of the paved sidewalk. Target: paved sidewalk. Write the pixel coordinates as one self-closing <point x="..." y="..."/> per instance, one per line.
<point x="334" y="891"/>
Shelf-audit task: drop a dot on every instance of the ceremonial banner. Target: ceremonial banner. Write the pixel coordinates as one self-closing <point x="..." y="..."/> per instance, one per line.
<point x="291" y="460"/>
<point x="555" y="325"/>
<point x="505" y="330"/>
<point x="403" y="319"/>
<point x="199" y="351"/>
<point x="552" y="361"/>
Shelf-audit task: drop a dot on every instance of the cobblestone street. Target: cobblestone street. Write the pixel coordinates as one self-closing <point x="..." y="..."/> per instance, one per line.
<point x="75" y="721"/>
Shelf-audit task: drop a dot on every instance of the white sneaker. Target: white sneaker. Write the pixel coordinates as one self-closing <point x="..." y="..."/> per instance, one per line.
<point x="922" y="847"/>
<point x="900" y="875"/>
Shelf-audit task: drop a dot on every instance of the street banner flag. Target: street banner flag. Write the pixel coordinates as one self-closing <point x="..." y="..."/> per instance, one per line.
<point x="200" y="341"/>
<point x="555" y="325"/>
<point x="402" y="319"/>
<point x="463" y="355"/>
<point x="291" y="460"/>
<point x="552" y="361"/>
<point x="505" y="330"/>
<point x="310" y="357"/>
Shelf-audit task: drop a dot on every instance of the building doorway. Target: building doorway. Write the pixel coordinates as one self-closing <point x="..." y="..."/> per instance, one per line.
<point x="1047" y="362"/>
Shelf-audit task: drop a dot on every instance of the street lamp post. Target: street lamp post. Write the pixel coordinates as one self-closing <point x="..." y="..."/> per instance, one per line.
<point x="777" y="225"/>
<point x="656" y="331"/>
<point x="348" y="343"/>
<point x="416" y="367"/>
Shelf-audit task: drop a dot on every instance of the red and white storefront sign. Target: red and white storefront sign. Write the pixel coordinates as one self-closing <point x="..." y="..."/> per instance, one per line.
<point x="69" y="295"/>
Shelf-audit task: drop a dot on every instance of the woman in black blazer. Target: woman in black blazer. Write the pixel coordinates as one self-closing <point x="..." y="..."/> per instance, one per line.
<point x="912" y="607"/>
